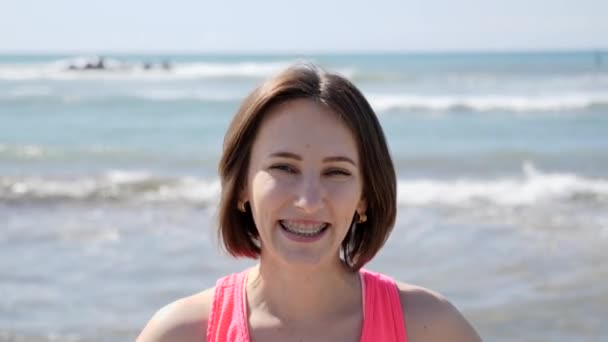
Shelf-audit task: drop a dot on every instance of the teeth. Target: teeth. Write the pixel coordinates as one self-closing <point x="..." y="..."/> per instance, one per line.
<point x="304" y="228"/>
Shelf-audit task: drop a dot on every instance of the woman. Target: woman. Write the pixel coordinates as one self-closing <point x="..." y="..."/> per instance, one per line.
<point x="309" y="188"/>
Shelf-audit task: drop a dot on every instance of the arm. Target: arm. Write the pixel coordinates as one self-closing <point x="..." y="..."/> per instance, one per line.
<point x="431" y="317"/>
<point x="184" y="320"/>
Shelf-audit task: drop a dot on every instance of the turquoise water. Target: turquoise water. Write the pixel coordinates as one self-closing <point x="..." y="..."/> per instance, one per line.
<point x="108" y="185"/>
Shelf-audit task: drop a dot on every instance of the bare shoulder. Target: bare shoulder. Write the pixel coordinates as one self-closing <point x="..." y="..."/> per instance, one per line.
<point x="431" y="317"/>
<point x="184" y="320"/>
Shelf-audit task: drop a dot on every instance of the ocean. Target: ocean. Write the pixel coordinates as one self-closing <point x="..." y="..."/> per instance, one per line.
<point x="109" y="186"/>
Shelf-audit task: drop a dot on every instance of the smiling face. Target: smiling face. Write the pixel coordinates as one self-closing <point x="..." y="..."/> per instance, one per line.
<point x="304" y="183"/>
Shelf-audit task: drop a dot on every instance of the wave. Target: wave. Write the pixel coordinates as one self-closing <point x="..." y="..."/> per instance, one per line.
<point x="144" y="97"/>
<point x="531" y="188"/>
<point x="380" y="103"/>
<point x="60" y="70"/>
<point x="184" y="157"/>
<point x="111" y="186"/>
<point x="98" y="152"/>
<point x="42" y="96"/>
<point x="25" y="151"/>
<point x="485" y="103"/>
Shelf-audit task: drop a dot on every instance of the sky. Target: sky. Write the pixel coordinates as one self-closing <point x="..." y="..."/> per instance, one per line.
<point x="275" y="26"/>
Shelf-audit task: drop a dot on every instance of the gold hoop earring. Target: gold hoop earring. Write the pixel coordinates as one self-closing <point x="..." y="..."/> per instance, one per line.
<point x="241" y="206"/>
<point x="362" y="218"/>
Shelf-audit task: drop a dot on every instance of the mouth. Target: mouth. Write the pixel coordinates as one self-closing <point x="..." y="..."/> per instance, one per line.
<point x="304" y="228"/>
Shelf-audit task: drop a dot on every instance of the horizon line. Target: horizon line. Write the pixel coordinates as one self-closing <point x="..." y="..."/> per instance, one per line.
<point x="309" y="52"/>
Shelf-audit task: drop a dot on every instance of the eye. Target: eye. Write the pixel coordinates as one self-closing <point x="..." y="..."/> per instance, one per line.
<point x="337" y="172"/>
<point x="284" y="168"/>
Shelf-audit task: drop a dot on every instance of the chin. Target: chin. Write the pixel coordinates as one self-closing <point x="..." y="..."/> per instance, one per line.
<point x="305" y="259"/>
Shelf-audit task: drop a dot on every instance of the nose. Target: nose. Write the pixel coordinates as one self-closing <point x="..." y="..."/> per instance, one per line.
<point x="309" y="195"/>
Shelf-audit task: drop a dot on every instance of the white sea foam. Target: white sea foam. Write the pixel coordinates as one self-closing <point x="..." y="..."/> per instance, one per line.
<point x="193" y="94"/>
<point x="27" y="91"/>
<point x="482" y="103"/>
<point x="380" y="102"/>
<point x="120" y="71"/>
<point x="112" y="186"/>
<point x="23" y="151"/>
<point x="222" y="70"/>
<point x="532" y="187"/>
<point x="160" y="95"/>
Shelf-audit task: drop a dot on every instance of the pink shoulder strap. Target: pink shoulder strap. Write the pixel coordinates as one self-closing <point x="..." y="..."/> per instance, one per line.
<point x="383" y="314"/>
<point x="227" y="321"/>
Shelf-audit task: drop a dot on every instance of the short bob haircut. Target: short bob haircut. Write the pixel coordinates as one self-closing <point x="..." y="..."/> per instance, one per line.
<point x="237" y="229"/>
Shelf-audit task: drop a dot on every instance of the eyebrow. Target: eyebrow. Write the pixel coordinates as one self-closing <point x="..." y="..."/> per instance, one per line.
<point x="290" y="155"/>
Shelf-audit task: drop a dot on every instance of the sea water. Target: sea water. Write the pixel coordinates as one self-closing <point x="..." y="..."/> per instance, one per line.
<point x="109" y="186"/>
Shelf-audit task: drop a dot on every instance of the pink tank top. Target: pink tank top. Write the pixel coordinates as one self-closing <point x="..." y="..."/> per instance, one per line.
<point x="382" y="312"/>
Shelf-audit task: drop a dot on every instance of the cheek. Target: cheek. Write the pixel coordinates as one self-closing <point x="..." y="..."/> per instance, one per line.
<point x="346" y="195"/>
<point x="267" y="193"/>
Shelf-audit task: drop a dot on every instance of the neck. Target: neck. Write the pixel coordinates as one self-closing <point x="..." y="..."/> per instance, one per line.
<point x="291" y="293"/>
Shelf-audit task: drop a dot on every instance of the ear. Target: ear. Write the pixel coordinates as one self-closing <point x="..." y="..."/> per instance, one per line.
<point x="362" y="206"/>
<point x="242" y="194"/>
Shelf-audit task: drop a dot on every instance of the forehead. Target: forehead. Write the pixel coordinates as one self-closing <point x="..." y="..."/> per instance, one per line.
<point x="305" y="126"/>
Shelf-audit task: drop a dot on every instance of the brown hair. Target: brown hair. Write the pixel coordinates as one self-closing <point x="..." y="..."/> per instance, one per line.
<point x="237" y="229"/>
